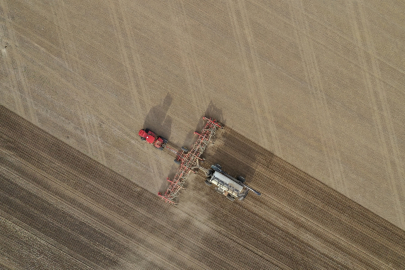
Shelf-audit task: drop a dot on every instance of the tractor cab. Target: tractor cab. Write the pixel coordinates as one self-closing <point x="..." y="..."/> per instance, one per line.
<point x="147" y="135"/>
<point x="150" y="137"/>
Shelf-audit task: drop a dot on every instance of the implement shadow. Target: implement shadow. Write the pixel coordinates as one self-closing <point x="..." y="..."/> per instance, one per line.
<point x="212" y="111"/>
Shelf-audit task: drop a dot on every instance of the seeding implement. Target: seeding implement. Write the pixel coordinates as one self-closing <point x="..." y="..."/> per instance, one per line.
<point x="189" y="161"/>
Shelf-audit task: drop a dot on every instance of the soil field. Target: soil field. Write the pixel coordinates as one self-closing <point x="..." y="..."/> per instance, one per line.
<point x="318" y="83"/>
<point x="60" y="209"/>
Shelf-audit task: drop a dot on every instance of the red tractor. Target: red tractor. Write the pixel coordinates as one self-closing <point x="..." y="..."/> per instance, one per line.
<point x="150" y="137"/>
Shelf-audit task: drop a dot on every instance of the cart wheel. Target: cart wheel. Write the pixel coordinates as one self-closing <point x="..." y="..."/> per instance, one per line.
<point x="241" y="178"/>
<point x="208" y="183"/>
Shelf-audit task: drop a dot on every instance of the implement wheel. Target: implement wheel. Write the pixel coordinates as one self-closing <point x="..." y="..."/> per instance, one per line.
<point x="184" y="149"/>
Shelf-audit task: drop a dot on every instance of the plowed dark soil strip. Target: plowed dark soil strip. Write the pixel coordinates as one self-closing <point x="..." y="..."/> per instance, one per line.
<point x="87" y="216"/>
<point x="352" y="231"/>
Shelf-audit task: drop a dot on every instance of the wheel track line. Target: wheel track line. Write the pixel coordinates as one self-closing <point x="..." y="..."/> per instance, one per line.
<point x="85" y="119"/>
<point x="61" y="39"/>
<point x="131" y="205"/>
<point x="85" y="128"/>
<point x="122" y="51"/>
<point x="108" y="144"/>
<point x="48" y="241"/>
<point x="43" y="132"/>
<point x="262" y="98"/>
<point x="352" y="42"/>
<point x="348" y="40"/>
<point x="373" y="100"/>
<point x="318" y="98"/>
<point x="124" y="58"/>
<point x="21" y="80"/>
<point x="138" y="69"/>
<point x="341" y="36"/>
<point x="187" y="53"/>
<point x="86" y="99"/>
<point x="64" y="26"/>
<point x="388" y="19"/>
<point x="99" y="144"/>
<point x="392" y="142"/>
<point x="9" y="65"/>
<point x="249" y="76"/>
<point x="80" y="214"/>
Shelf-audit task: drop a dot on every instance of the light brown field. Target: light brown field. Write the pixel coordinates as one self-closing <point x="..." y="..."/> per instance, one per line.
<point x="319" y="84"/>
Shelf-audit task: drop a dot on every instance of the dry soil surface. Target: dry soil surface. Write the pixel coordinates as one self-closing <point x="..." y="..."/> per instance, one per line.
<point x="60" y="209"/>
<point x="318" y="83"/>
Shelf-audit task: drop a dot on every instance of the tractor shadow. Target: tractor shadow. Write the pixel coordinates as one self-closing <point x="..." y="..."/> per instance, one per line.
<point x="157" y="119"/>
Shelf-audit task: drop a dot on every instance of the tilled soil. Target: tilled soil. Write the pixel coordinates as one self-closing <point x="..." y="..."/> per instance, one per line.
<point x="62" y="210"/>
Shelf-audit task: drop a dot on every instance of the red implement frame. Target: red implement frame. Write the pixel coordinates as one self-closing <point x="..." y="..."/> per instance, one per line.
<point x="189" y="160"/>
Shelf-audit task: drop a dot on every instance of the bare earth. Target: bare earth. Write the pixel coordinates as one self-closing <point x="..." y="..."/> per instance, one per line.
<point x="60" y="209"/>
<point x="313" y="83"/>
